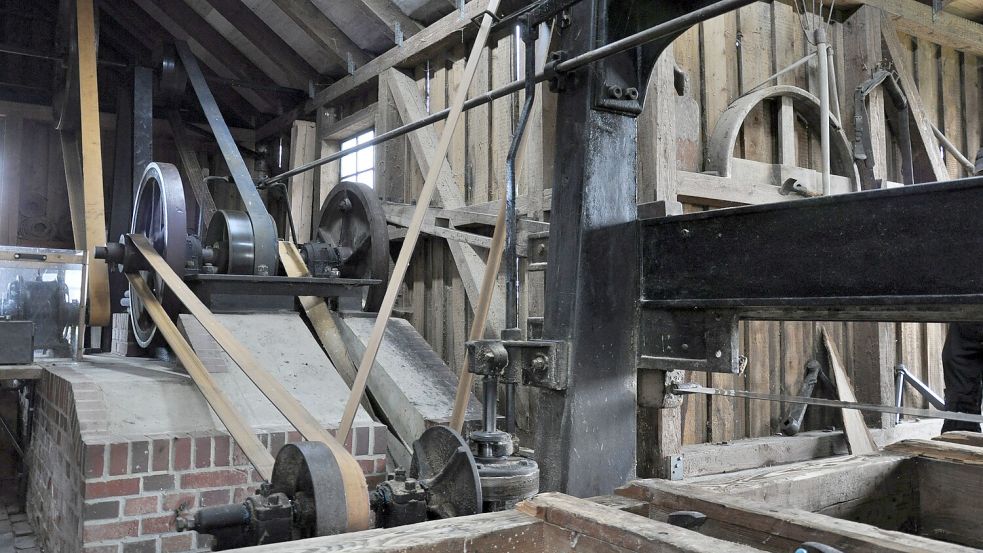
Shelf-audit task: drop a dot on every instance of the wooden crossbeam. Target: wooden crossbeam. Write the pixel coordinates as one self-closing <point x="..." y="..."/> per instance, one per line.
<point x="413" y="231"/>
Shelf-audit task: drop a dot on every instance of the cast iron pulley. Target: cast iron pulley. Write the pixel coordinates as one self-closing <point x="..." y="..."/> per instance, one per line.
<point x="444" y="466"/>
<point x="159" y="214"/>
<point x="352" y="219"/>
<point x="308" y="474"/>
<point x="230" y="237"/>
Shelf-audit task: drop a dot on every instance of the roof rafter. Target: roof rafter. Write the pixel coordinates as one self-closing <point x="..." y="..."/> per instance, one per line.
<point x="323" y="31"/>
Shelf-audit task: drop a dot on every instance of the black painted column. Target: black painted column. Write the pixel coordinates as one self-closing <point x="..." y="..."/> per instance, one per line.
<point x="585" y="438"/>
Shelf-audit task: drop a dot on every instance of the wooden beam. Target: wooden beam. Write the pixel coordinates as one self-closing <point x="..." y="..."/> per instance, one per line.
<point x="939" y="450"/>
<point x="974" y="439"/>
<point x="214" y="51"/>
<point x="390" y="15"/>
<point x="929" y="154"/>
<point x="857" y="434"/>
<point x="614" y="529"/>
<point x="415" y="49"/>
<point x="424" y="145"/>
<point x="361" y="120"/>
<point x="303" y="137"/>
<point x="324" y="32"/>
<point x="759" y="524"/>
<point x="299" y="72"/>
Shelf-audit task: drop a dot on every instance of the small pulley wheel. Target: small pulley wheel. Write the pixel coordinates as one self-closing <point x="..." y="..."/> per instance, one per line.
<point x="352" y="219"/>
<point x="444" y="465"/>
<point x="159" y="213"/>
<point x="230" y="236"/>
<point x="309" y="475"/>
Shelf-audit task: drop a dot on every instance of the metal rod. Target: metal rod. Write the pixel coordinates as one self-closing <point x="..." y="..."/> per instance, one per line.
<point x="781" y="72"/>
<point x="662" y="30"/>
<point x="13" y="438"/>
<point x="952" y="149"/>
<point x="910" y="411"/>
<point x="511" y="218"/>
<point x="922" y="388"/>
<point x="899" y="378"/>
<point x="821" y="47"/>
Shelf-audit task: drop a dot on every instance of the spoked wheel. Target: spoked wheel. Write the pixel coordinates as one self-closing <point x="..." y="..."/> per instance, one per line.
<point x="159" y="214"/>
<point x="352" y="218"/>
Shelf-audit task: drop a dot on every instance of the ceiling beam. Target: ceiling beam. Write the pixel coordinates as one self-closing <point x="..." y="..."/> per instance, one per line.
<point x="213" y="50"/>
<point x="262" y="37"/>
<point x="415" y="49"/>
<point x="390" y="15"/>
<point x="323" y="31"/>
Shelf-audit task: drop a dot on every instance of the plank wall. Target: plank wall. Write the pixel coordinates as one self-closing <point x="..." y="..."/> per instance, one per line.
<point x="719" y="60"/>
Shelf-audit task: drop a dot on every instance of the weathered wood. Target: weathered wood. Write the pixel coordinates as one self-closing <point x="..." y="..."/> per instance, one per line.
<point x="409" y="242"/>
<point x="20" y="372"/>
<point x="657" y="134"/>
<point x="928" y="154"/>
<point x="502" y="532"/>
<point x="345" y="128"/>
<point x="974" y="439"/>
<point x="857" y="434"/>
<point x="303" y="137"/>
<point x="939" y="450"/>
<point x="772" y="529"/>
<point x="414" y="49"/>
<point x="616" y="529"/>
<point x="949" y="495"/>
<point x="323" y="31"/>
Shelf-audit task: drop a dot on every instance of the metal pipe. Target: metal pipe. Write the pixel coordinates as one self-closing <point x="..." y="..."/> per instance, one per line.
<point x="822" y="47"/>
<point x="899" y="378"/>
<point x="511" y="218"/>
<point x="661" y="30"/>
<point x="489" y="410"/>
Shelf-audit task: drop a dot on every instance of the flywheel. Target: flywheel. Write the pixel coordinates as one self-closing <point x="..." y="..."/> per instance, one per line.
<point x="352" y="218"/>
<point x="159" y="213"/>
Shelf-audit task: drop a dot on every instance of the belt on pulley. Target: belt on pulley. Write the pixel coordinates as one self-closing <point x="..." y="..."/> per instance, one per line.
<point x="687" y="388"/>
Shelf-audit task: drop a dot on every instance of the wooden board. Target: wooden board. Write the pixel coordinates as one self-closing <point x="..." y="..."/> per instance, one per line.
<point x="949" y="495"/>
<point x="413" y="231"/>
<point x="857" y="434"/>
<point x="939" y="450"/>
<point x="974" y="439"/>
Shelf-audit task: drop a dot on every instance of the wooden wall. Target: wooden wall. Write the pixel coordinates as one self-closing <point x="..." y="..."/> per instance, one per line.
<point x="720" y="60"/>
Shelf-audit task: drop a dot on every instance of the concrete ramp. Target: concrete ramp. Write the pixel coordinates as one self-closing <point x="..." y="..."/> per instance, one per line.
<point x="411" y="386"/>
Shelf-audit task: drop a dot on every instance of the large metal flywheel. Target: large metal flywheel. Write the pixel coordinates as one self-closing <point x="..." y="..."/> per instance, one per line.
<point x="352" y="218"/>
<point x="159" y="213"/>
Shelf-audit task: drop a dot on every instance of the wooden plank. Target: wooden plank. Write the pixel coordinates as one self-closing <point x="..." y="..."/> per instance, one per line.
<point x="974" y="439"/>
<point x="657" y="142"/>
<point x="951" y="118"/>
<point x="324" y="32"/>
<point x="689" y="135"/>
<point x="355" y="491"/>
<point x="502" y="532"/>
<point x="929" y="153"/>
<point x="973" y="89"/>
<point x="858" y="436"/>
<point x="617" y="529"/>
<point x="97" y="301"/>
<point x="409" y="242"/>
<point x="303" y="136"/>
<point x="356" y="123"/>
<point x="758" y="524"/>
<point x="243" y="435"/>
<point x="950" y="511"/>
<point x="413" y="50"/>
<point x="939" y="450"/>
<point x="756" y="61"/>
<point x="717" y="74"/>
<point x="502" y="112"/>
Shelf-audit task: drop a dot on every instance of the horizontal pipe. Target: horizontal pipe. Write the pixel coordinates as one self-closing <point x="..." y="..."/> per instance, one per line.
<point x="661" y="30"/>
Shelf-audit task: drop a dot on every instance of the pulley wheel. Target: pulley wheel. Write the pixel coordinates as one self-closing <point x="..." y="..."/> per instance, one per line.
<point x="309" y="475"/>
<point x="443" y="463"/>
<point x="352" y="218"/>
<point x="230" y="235"/>
<point x="159" y="213"/>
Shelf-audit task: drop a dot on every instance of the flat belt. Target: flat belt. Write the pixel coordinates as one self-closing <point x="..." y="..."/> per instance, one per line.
<point x="687" y="388"/>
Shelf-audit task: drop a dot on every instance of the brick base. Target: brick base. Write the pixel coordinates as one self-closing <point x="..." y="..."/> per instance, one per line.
<point x="93" y="492"/>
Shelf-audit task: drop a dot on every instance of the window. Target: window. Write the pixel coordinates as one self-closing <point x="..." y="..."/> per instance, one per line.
<point x="359" y="166"/>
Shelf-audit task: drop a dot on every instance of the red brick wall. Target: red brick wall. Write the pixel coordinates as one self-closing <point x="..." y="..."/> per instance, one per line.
<point x="127" y="491"/>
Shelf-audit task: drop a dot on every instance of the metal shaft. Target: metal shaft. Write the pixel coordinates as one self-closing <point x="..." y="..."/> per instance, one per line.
<point x="662" y="30"/>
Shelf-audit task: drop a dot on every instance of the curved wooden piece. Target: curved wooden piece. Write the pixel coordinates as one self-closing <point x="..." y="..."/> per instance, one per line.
<point x="720" y="148"/>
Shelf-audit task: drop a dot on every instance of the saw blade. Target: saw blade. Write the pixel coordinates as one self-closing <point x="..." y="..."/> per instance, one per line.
<point x="909" y="411"/>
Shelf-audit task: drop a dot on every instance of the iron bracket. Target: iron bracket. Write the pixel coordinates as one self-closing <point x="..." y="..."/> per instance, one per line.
<point x="539" y="363"/>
